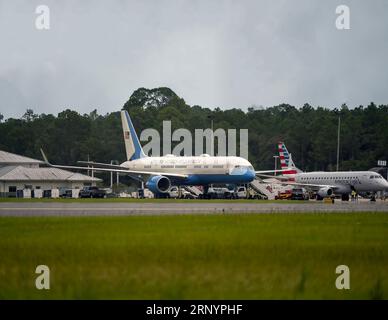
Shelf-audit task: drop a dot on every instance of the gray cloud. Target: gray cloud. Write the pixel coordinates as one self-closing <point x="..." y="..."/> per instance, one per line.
<point x="212" y="53"/>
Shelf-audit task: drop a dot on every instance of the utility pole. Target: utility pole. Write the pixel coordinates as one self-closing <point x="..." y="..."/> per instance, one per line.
<point x="111" y="176"/>
<point x="338" y="141"/>
<point x="88" y="172"/>
<point x="276" y="162"/>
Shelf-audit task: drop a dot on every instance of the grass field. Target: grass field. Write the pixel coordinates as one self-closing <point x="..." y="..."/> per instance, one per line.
<point x="274" y="256"/>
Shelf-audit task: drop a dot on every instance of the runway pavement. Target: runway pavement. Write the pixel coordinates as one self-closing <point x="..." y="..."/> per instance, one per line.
<point x="158" y="208"/>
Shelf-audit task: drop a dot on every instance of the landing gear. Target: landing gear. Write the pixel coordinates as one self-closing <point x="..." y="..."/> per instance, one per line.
<point x="373" y="198"/>
<point x="205" y="193"/>
<point x="345" y="197"/>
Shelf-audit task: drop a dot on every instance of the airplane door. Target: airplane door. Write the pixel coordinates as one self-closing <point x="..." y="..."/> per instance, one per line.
<point x="227" y="163"/>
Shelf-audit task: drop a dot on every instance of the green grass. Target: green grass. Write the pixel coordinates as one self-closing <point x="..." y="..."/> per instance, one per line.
<point x="274" y="256"/>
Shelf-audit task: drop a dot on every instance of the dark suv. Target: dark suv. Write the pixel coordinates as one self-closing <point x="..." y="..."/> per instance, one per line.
<point x="299" y="194"/>
<point x="91" y="192"/>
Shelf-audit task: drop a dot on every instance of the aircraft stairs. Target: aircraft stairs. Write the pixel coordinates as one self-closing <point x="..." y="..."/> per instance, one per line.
<point x="262" y="188"/>
<point x="193" y="190"/>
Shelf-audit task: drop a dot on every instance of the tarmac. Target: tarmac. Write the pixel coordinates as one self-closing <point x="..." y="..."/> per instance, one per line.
<point x="158" y="208"/>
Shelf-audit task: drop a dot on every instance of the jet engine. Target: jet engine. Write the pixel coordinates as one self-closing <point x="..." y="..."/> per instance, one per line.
<point x="325" y="192"/>
<point x="158" y="184"/>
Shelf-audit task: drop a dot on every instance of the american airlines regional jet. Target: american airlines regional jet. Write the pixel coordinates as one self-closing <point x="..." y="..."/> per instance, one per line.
<point x="330" y="183"/>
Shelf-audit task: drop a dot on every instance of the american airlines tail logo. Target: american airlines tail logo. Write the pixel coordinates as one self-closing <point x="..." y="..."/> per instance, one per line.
<point x="285" y="162"/>
<point x="284" y="156"/>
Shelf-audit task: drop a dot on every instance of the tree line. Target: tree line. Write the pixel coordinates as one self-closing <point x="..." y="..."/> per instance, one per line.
<point x="310" y="133"/>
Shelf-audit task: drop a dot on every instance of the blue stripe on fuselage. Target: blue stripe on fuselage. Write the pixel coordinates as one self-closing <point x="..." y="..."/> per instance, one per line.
<point x="204" y="179"/>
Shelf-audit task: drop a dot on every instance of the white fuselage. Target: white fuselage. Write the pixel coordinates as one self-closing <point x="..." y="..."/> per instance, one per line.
<point x="345" y="181"/>
<point x="189" y="165"/>
<point x="199" y="169"/>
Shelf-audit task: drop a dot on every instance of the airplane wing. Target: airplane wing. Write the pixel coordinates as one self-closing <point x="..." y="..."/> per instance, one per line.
<point x="121" y="170"/>
<point x="271" y="176"/>
<point x="286" y="181"/>
<point x="270" y="171"/>
<point x="307" y="184"/>
<point x="107" y="165"/>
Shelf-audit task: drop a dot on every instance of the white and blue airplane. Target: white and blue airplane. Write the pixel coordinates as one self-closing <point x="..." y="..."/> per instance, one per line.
<point x="160" y="173"/>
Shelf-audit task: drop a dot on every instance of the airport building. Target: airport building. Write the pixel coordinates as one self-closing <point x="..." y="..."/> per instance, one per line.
<point x="26" y="177"/>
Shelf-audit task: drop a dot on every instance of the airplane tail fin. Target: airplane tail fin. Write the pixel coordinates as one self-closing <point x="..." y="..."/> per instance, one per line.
<point x="283" y="155"/>
<point x="287" y="163"/>
<point x="133" y="147"/>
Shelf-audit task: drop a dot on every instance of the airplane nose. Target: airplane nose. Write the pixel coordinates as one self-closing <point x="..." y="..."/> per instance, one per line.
<point x="252" y="174"/>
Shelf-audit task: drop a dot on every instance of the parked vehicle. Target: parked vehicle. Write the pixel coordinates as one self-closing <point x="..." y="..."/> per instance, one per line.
<point x="219" y="193"/>
<point x="144" y="193"/>
<point x="243" y="192"/>
<point x="92" y="192"/>
<point x="173" y="193"/>
<point x="286" y="195"/>
<point x="299" y="194"/>
<point x="184" y="194"/>
<point x="65" y="193"/>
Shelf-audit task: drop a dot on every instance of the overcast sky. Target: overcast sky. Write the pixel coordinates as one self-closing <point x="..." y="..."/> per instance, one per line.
<point x="212" y="53"/>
